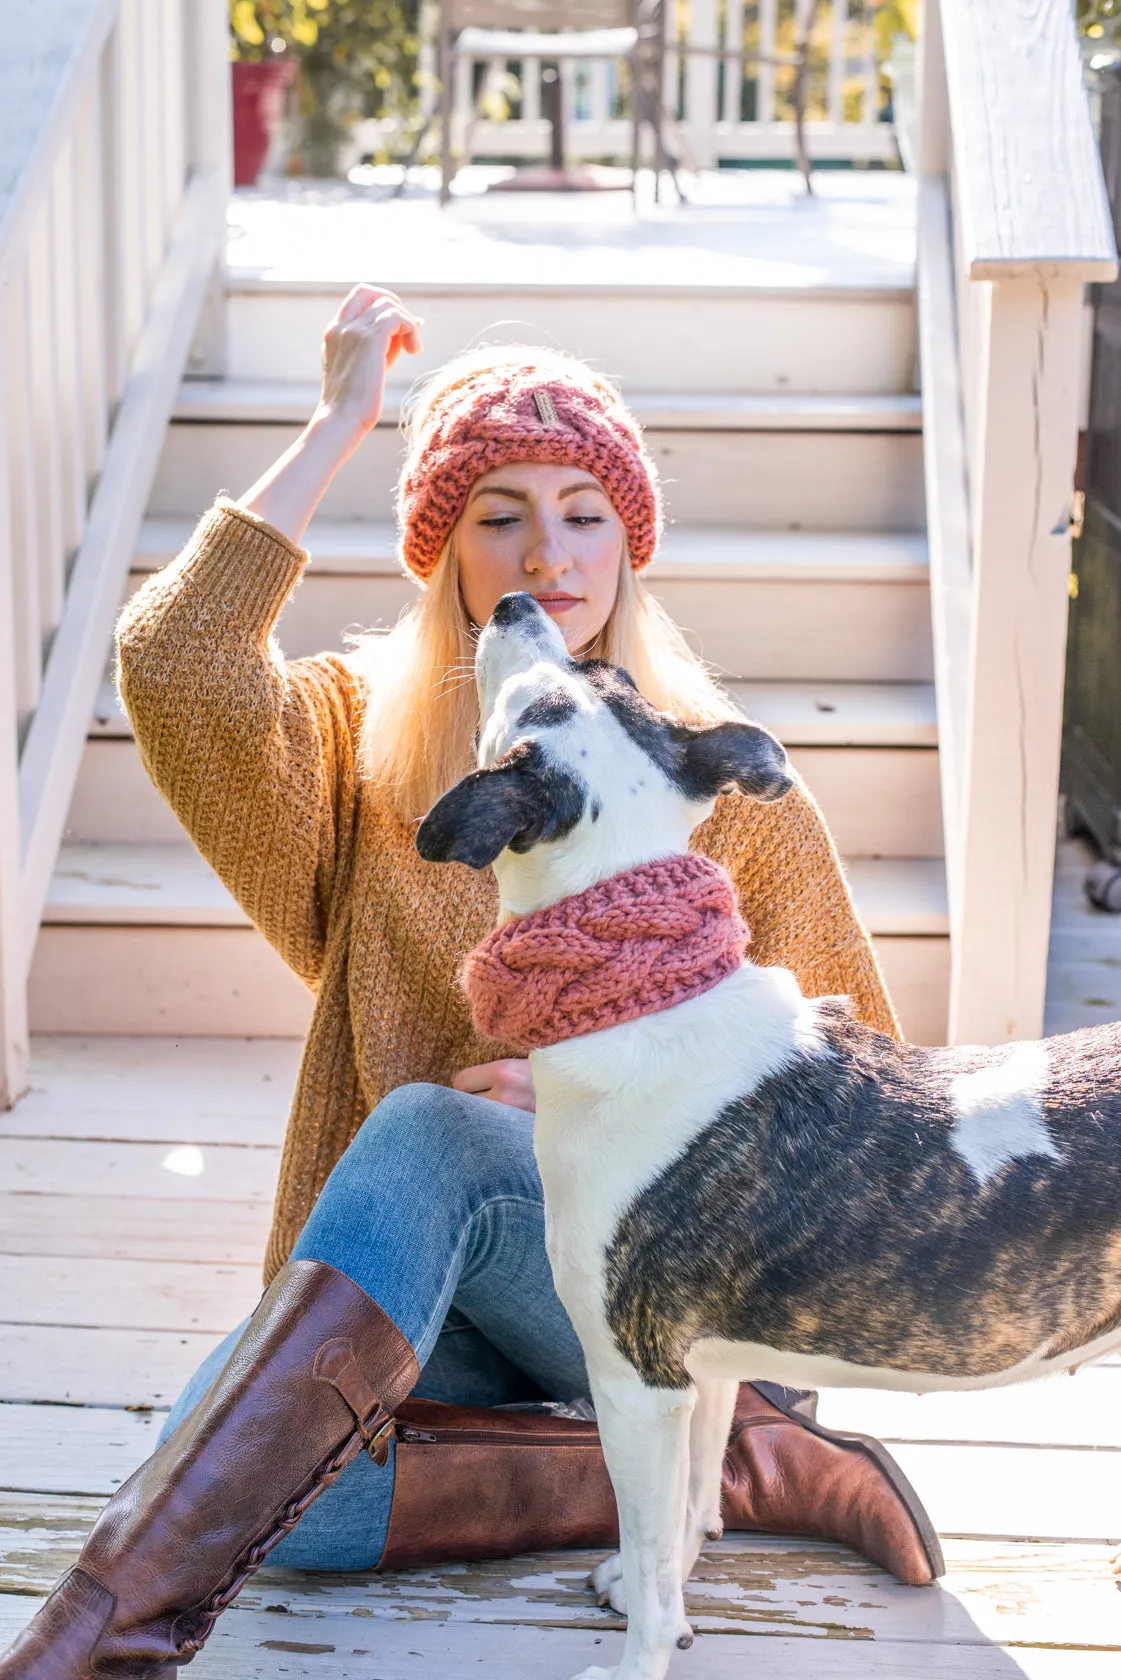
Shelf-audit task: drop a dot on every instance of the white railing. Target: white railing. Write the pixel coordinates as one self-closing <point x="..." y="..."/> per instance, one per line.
<point x="729" y="98"/>
<point x="1013" y="221"/>
<point x="114" y="177"/>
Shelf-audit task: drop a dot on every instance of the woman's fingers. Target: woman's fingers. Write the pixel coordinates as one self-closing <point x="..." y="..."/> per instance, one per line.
<point x="362" y="297"/>
<point x="358" y="350"/>
<point x="507" y="1081"/>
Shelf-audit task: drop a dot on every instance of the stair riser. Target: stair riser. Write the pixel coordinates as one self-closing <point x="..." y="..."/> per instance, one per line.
<point x="857" y="481"/>
<point x="812" y="631"/>
<point x="194" y="982"/>
<point x="878" y="801"/>
<point x="228" y="983"/>
<point x="766" y="631"/>
<point x="684" y="343"/>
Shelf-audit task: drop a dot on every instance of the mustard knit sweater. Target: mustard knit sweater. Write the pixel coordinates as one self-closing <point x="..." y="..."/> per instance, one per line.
<point x="257" y="757"/>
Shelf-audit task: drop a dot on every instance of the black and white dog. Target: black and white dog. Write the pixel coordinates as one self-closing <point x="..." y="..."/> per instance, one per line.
<point x="749" y="1184"/>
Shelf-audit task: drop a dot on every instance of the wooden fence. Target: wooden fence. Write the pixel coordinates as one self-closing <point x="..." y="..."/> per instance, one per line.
<point x="114" y="178"/>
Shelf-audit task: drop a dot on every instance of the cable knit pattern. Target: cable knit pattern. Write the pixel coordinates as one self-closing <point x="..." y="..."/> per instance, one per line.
<point x="256" y="754"/>
<point x="628" y="946"/>
<point x="510" y="413"/>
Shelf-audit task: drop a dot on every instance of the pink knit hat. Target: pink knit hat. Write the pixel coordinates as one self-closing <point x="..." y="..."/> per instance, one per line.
<point x="524" y="410"/>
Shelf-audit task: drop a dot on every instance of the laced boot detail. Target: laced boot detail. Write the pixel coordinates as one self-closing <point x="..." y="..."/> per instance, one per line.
<point x="314" y="1380"/>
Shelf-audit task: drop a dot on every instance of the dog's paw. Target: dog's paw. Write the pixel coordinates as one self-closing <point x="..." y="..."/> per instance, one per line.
<point x="606" y="1581"/>
<point x="596" y="1674"/>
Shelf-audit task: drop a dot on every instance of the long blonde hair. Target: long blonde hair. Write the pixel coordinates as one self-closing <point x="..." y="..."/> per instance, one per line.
<point x="421" y="709"/>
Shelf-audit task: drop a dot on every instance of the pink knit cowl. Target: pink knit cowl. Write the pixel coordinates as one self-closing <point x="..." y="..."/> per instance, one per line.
<point x="633" y="944"/>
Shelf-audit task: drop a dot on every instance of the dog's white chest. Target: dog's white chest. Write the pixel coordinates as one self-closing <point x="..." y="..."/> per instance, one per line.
<point x="614" y="1108"/>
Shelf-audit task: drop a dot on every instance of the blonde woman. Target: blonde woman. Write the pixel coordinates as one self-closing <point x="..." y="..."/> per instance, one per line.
<point x="407" y="1253"/>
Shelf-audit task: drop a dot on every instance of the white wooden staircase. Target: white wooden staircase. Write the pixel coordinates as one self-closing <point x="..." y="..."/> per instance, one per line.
<point x="786" y="426"/>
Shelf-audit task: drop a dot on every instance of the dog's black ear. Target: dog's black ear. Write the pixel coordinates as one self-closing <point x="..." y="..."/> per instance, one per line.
<point x="727" y="755"/>
<point x="517" y="802"/>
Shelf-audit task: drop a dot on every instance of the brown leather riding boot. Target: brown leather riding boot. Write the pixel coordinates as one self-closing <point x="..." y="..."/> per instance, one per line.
<point x="472" y="1482"/>
<point x="314" y="1379"/>
<point x="785" y="1473"/>
<point x="479" y="1482"/>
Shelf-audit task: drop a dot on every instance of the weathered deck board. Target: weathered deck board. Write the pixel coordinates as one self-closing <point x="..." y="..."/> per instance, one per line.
<point x="147" y="1126"/>
<point x="85" y="1450"/>
<point x="257" y="1645"/>
<point x="98" y="1367"/>
<point x="134" y="1228"/>
<point x="126" y="1294"/>
<point x="1081" y="1411"/>
<point x="171" y="1172"/>
<point x="1043" y="1596"/>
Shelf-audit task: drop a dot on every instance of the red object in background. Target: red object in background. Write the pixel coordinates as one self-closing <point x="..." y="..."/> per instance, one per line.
<point x="258" y="93"/>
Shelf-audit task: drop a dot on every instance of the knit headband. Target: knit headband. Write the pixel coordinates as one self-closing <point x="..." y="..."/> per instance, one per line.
<point x="521" y="411"/>
<point x="636" y="943"/>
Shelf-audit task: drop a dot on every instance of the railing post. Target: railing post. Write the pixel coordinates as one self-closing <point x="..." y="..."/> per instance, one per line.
<point x="1005" y="139"/>
<point x="209" y="145"/>
<point x="14" y="1051"/>
<point x="1022" y="475"/>
<point x="700" y="84"/>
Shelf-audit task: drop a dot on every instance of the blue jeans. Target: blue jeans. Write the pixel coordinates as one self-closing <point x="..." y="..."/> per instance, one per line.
<point x="436" y="1211"/>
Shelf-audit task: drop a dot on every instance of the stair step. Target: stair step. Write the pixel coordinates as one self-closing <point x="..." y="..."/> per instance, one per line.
<point x="173" y="886"/>
<point x="291" y="402"/>
<point x="145" y="939"/>
<point x="895" y="714"/>
<point x="879" y="799"/>
<point x="766" y="338"/>
<point x="778" y="480"/>
<point x="800" y="714"/>
<point x="368" y="548"/>
<point x="900" y="897"/>
<point x="771" y="606"/>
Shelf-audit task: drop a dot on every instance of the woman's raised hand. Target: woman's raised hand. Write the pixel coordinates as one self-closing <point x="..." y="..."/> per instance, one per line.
<point x="361" y="344"/>
<point x="359" y="347"/>
<point x="506" y="1081"/>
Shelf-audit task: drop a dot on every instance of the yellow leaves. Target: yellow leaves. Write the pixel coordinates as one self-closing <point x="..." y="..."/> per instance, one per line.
<point x="243" y="21"/>
<point x="305" y="29"/>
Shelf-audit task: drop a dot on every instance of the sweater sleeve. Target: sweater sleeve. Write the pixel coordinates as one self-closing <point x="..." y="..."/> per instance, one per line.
<point x="254" y="754"/>
<point x="795" y="899"/>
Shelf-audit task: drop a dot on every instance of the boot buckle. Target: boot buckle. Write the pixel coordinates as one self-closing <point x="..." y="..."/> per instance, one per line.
<point x="378" y="1444"/>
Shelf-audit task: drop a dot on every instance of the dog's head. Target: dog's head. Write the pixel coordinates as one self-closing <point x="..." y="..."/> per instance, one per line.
<point x="579" y="777"/>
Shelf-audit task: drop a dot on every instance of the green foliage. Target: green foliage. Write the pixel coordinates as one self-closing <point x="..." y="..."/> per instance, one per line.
<point x="1099" y="25"/>
<point x="357" y="59"/>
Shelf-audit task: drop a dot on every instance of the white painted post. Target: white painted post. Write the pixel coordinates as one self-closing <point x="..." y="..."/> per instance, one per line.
<point x="14" y="1046"/>
<point x="733" y="63"/>
<point x="22" y="518"/>
<point x="700" y="84"/>
<point x="768" y="46"/>
<point x="209" y="145"/>
<point x="1022" y="476"/>
<point x="838" y="53"/>
<point x="1004" y="138"/>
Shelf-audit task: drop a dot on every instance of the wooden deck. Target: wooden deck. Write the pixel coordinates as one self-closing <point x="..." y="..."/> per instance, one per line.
<point x="135" y="1183"/>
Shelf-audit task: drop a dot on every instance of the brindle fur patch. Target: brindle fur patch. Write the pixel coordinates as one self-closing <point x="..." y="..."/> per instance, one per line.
<point x="548" y="710"/>
<point x="828" y="1214"/>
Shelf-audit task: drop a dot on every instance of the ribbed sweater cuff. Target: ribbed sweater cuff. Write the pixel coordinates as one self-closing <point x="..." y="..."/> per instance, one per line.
<point x="245" y="563"/>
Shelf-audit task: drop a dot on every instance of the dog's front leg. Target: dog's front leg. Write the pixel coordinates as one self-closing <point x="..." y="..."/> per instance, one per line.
<point x="645" y="1435"/>
<point x="708" y="1440"/>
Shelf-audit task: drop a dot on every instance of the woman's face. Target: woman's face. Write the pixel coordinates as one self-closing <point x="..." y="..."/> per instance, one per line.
<point x="550" y="530"/>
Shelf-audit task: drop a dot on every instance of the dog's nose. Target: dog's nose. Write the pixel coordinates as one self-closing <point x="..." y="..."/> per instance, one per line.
<point x="513" y="609"/>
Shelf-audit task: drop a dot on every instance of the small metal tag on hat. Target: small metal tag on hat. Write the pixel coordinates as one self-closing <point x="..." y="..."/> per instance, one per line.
<point x="546" y="408"/>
